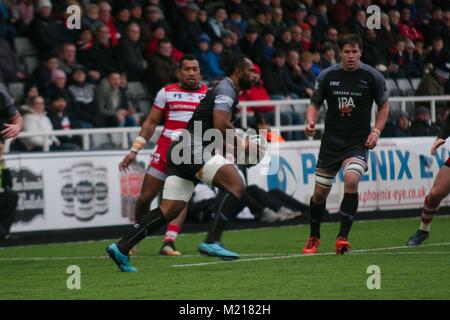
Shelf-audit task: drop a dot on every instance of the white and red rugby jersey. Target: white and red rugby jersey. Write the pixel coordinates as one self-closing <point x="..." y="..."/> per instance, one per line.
<point x="178" y="105"/>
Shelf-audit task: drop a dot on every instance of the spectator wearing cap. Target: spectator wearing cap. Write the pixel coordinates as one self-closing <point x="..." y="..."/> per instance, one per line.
<point x="422" y="125"/>
<point x="84" y="113"/>
<point x="129" y="50"/>
<point x="215" y="25"/>
<point x="251" y="45"/>
<point x="402" y="126"/>
<point x="297" y="14"/>
<point x="45" y="32"/>
<point x="107" y="20"/>
<point x="161" y="67"/>
<point x="413" y="62"/>
<point x="188" y="29"/>
<point x="208" y="59"/>
<point x="91" y="20"/>
<point x="122" y="19"/>
<point x="236" y="21"/>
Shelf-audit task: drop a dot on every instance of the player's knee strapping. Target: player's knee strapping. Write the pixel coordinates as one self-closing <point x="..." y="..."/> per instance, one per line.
<point x="355" y="167"/>
<point x="177" y="188"/>
<point x="323" y="180"/>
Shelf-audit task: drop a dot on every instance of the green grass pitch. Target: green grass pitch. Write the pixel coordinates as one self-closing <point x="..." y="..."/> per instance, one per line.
<point x="270" y="267"/>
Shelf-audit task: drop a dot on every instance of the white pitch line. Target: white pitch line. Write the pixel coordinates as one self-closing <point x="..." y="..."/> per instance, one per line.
<point x="305" y="255"/>
<point x="133" y="257"/>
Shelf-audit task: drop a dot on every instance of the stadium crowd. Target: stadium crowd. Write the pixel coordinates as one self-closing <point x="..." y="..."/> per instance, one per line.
<point x="83" y="77"/>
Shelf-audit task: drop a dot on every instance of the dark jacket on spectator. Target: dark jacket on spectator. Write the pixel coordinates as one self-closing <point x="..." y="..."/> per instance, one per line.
<point x="278" y="81"/>
<point x="187" y="34"/>
<point x="46" y="34"/>
<point x="422" y="129"/>
<point x="133" y="62"/>
<point x="102" y="59"/>
<point x="163" y="72"/>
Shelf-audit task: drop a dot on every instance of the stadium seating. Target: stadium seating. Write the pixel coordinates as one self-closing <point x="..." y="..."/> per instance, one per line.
<point x="27" y="53"/>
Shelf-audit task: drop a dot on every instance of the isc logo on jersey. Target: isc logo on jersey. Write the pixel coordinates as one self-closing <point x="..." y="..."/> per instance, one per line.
<point x="346" y="106"/>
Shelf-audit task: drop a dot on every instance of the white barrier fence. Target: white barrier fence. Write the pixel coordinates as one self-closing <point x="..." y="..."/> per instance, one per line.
<point x="299" y="105"/>
<point x="65" y="190"/>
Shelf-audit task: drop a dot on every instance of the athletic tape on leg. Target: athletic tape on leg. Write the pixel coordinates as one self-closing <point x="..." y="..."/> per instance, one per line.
<point x="324" y="181"/>
<point x="176" y="188"/>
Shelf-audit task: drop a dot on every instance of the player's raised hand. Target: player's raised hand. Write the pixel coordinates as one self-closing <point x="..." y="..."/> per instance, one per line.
<point x="127" y="160"/>
<point x="310" y="129"/>
<point x="439" y="142"/>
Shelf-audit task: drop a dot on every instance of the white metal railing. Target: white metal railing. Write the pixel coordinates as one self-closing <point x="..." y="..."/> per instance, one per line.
<point x="278" y="104"/>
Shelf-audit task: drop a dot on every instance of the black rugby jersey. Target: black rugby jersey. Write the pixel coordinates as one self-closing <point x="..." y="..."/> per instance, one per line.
<point x="349" y="96"/>
<point x="222" y="96"/>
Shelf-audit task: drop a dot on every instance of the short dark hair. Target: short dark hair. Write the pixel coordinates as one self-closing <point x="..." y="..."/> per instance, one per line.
<point x="236" y="62"/>
<point x="186" y="57"/>
<point x="162" y="41"/>
<point x="351" y="39"/>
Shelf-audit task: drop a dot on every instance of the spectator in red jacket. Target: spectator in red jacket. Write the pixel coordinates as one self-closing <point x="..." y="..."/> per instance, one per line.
<point x="406" y="28"/>
<point x="256" y="93"/>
